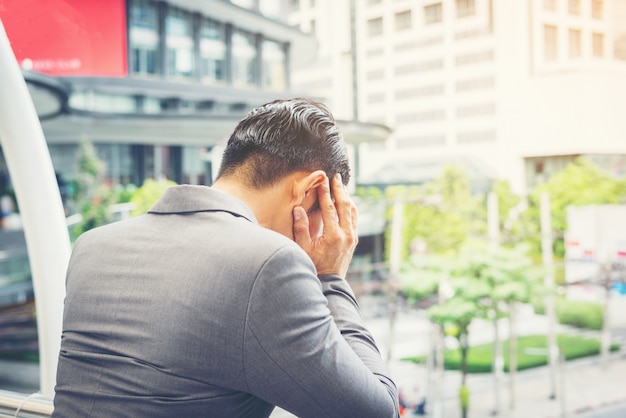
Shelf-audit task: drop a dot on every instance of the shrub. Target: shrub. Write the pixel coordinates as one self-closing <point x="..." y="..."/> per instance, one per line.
<point x="580" y="314"/>
<point x="480" y="357"/>
<point x="149" y="192"/>
<point x="576" y="313"/>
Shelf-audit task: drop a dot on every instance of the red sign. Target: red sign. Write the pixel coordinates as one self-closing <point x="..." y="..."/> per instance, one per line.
<point x="68" y="37"/>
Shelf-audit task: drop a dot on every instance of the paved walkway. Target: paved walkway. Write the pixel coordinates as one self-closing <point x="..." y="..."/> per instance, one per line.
<point x="587" y="387"/>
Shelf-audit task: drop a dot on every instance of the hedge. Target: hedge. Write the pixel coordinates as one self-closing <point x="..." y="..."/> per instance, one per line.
<point x="480" y="357"/>
<point x="576" y="313"/>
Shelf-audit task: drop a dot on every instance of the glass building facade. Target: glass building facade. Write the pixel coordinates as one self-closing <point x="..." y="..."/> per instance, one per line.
<point x="177" y="55"/>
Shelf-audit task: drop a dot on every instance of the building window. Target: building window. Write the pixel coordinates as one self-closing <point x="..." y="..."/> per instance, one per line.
<point x="422" y="91"/>
<point x="103" y="102"/>
<point x="421" y="141"/>
<point x="476" y="110"/>
<point x="272" y="8"/>
<point x="294" y="5"/>
<point x="144" y="38"/>
<point x="432" y="13"/>
<point x="597" y="44"/>
<point x="274" y="77"/>
<point x="403" y="20"/>
<point x="597" y="9"/>
<point x="475" y="84"/>
<point x="179" y="43"/>
<point x="247" y="4"/>
<point x="465" y="8"/>
<point x="244" y="59"/>
<point x="550" y="42"/>
<point x="575" y="48"/>
<point x="475" y="137"/>
<point x="419" y="43"/>
<point x="421" y="117"/>
<point x="472" y="33"/>
<point x="376" y="52"/>
<point x="549" y="5"/>
<point x="375" y="27"/>
<point x="473" y="58"/>
<point x="375" y="75"/>
<point x="419" y="67"/>
<point x="376" y="98"/>
<point x="194" y="168"/>
<point x="212" y="51"/>
<point x="118" y="162"/>
<point x="573" y="7"/>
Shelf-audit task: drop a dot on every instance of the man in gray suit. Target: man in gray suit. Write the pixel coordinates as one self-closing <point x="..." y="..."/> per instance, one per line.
<point x="228" y="300"/>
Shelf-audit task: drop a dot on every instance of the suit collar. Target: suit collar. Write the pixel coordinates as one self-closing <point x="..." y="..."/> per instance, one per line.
<point x="189" y="199"/>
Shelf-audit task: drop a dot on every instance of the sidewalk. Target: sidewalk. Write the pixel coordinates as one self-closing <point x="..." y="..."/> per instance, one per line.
<point x="588" y="387"/>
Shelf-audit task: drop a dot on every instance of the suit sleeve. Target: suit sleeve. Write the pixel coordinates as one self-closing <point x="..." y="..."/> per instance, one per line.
<point x="306" y="347"/>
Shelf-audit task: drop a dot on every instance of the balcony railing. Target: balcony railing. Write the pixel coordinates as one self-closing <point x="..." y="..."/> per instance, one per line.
<point x="20" y="405"/>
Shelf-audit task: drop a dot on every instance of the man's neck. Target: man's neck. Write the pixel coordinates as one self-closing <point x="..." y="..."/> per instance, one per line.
<point x="263" y="202"/>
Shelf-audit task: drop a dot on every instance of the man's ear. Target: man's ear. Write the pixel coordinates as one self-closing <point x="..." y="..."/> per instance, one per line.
<point x="305" y="189"/>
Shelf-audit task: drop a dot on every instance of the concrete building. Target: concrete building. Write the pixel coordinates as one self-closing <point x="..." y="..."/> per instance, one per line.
<point x="508" y="89"/>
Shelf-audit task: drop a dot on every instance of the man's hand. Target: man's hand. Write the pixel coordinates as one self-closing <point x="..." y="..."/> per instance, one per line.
<point x="332" y="251"/>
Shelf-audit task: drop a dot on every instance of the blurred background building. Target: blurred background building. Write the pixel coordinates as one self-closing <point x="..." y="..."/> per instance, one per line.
<point x="154" y="85"/>
<point x="507" y="89"/>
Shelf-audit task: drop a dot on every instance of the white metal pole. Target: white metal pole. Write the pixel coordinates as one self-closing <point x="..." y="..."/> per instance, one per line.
<point x="548" y="263"/>
<point x="493" y="227"/>
<point x="41" y="209"/>
<point x="395" y="261"/>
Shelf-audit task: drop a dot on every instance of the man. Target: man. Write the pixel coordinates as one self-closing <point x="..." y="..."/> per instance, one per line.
<point x="226" y="301"/>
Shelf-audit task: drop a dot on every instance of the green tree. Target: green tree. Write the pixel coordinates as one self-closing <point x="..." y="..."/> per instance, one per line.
<point x="509" y="209"/>
<point x="454" y="316"/>
<point x="514" y="279"/>
<point x="89" y="171"/>
<point x="421" y="276"/>
<point x="92" y="198"/>
<point x="580" y="183"/>
<point x="441" y="213"/>
<point x="487" y="282"/>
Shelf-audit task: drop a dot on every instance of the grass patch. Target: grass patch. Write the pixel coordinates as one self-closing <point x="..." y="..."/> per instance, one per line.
<point x="480" y="357"/>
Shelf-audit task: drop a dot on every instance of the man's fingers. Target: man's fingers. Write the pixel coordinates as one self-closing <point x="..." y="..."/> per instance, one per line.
<point x="343" y="203"/>
<point x="355" y="217"/>
<point x="301" y="233"/>
<point x="327" y="207"/>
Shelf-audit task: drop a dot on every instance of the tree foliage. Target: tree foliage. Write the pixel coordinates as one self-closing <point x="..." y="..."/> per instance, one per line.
<point x="92" y="198"/>
<point x="149" y="192"/>
<point x="580" y="183"/>
<point x="480" y="281"/>
<point x="441" y="214"/>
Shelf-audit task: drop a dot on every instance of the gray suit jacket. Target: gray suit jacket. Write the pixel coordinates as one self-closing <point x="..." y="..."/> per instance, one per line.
<point x="194" y="310"/>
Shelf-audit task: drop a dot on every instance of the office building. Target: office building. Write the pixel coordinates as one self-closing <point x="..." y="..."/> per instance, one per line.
<point x="506" y="89"/>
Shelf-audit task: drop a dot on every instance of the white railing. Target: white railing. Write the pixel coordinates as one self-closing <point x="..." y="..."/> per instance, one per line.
<point x="20" y="405"/>
<point x="119" y="211"/>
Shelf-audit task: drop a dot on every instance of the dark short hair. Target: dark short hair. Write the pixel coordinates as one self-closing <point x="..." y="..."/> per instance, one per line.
<point x="282" y="137"/>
